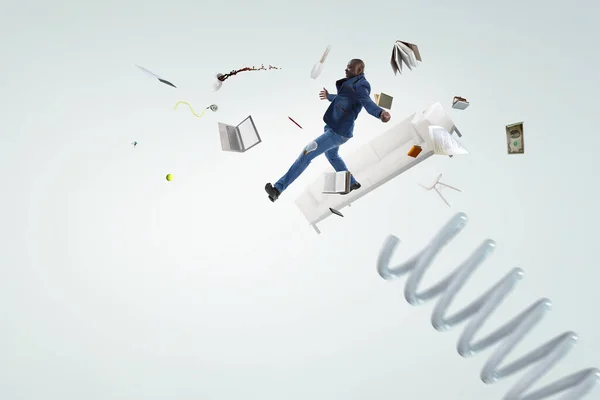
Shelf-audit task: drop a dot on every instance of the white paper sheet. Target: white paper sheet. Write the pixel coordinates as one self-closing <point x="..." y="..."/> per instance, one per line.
<point x="443" y="143"/>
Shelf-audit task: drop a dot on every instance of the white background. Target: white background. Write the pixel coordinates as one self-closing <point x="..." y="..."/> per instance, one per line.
<point x="116" y="284"/>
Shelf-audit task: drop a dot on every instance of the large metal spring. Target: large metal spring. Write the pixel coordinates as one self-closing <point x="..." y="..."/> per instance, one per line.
<point x="542" y="359"/>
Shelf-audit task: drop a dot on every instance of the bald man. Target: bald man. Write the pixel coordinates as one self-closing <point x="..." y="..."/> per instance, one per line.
<point x="353" y="94"/>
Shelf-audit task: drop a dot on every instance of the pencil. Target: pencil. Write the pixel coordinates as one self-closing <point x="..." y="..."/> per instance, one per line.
<point x="295" y="122"/>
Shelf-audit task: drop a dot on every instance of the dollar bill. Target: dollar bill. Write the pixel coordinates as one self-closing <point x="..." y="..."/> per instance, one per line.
<point x="514" y="138"/>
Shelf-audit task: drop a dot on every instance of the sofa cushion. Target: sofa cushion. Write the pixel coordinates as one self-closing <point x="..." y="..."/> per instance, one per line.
<point x="361" y="159"/>
<point x="316" y="189"/>
<point x="397" y="162"/>
<point x="393" y="138"/>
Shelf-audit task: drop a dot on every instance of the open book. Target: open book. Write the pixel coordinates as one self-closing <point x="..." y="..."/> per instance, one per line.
<point x="406" y="53"/>
<point x="443" y="143"/>
<point x="337" y="182"/>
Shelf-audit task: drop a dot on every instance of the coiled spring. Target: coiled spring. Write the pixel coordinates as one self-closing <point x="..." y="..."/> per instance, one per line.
<point x="574" y="386"/>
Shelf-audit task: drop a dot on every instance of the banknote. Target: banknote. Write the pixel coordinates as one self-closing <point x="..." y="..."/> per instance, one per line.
<point x="514" y="138"/>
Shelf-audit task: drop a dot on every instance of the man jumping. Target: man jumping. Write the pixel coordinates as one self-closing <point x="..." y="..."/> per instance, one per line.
<point x="353" y="94"/>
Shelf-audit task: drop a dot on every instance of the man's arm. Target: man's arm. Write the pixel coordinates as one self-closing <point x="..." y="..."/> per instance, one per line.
<point x="324" y="94"/>
<point x="363" y="91"/>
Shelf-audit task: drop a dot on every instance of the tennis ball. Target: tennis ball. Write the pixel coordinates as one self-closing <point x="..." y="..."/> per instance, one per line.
<point x="169" y="177"/>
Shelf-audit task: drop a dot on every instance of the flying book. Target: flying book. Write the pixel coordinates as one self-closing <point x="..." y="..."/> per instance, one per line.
<point x="459" y="103"/>
<point x="415" y="151"/>
<point x="406" y="53"/>
<point x="443" y="143"/>
<point x="239" y="138"/>
<point x="383" y="100"/>
<point x="337" y="182"/>
<point x="150" y="73"/>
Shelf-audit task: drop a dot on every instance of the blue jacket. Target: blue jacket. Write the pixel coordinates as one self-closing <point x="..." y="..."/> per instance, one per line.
<point x="353" y="94"/>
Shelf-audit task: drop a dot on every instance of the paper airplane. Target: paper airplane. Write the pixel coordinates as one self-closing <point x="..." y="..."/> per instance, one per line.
<point x="156" y="76"/>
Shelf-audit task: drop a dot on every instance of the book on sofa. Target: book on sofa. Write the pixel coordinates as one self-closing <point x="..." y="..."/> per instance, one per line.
<point x="336" y="182"/>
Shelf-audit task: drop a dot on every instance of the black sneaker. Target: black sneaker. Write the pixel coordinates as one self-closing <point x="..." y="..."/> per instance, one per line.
<point x="272" y="192"/>
<point x="355" y="186"/>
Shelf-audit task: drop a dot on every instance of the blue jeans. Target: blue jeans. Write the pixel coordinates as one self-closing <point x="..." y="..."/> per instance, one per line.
<point x="328" y="143"/>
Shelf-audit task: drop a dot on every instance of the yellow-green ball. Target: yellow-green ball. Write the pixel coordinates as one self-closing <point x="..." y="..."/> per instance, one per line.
<point x="169" y="177"/>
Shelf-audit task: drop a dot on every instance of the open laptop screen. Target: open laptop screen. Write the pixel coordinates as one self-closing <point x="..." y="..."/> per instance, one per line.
<point x="248" y="133"/>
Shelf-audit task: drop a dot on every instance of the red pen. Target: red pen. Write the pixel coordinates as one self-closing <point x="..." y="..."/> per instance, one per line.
<point x="295" y="122"/>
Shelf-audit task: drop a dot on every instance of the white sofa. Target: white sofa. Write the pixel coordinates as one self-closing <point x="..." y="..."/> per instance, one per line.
<point x="375" y="163"/>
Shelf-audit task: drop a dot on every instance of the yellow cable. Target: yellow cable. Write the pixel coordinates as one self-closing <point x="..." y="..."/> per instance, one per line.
<point x="191" y="109"/>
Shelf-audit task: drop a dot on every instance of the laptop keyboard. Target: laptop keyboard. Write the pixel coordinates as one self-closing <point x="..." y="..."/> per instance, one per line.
<point x="232" y="136"/>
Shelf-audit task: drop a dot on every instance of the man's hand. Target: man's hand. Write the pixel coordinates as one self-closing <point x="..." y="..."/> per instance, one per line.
<point x="323" y="94"/>
<point x="385" y="116"/>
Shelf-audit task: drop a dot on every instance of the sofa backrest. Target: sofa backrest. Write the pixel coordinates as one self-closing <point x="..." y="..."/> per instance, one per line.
<point x="394" y="137"/>
<point x="361" y="159"/>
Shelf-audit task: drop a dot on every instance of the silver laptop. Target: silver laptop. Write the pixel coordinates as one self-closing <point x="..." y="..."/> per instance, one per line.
<point x="239" y="138"/>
